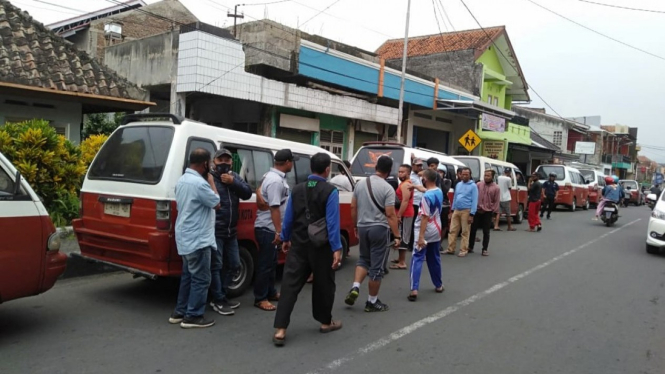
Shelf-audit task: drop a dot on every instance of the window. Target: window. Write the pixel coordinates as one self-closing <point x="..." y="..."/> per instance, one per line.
<point x="489" y="99"/>
<point x="545" y="171"/>
<point x="302" y="168"/>
<point x="520" y="178"/>
<point x="7" y="184"/>
<point x="137" y="154"/>
<point x="332" y="141"/>
<point x="364" y="163"/>
<point x="558" y="138"/>
<point x="573" y="177"/>
<point x="496" y="101"/>
<point x="251" y="164"/>
<point x="601" y="181"/>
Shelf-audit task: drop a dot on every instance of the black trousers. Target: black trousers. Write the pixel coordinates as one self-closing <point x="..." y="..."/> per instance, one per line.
<point x="444" y="220"/>
<point x="482" y="220"/>
<point x="416" y="209"/>
<point x="548" y="205"/>
<point x="302" y="261"/>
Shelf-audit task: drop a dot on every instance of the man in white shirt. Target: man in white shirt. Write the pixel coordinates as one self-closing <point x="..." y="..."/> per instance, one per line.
<point x="505" y="182"/>
<point x="341" y="180"/>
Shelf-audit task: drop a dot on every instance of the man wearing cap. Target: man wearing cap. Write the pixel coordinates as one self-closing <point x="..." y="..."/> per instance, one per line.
<point x="505" y="183"/>
<point x="274" y="192"/>
<point x="226" y="259"/>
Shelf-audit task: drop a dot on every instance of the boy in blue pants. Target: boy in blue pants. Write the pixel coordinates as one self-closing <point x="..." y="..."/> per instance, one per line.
<point x="428" y="233"/>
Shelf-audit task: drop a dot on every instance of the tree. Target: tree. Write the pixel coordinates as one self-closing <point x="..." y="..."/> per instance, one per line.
<point x="100" y="124"/>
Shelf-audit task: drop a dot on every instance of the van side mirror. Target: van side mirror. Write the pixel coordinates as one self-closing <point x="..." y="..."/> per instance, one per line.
<point x="17" y="183"/>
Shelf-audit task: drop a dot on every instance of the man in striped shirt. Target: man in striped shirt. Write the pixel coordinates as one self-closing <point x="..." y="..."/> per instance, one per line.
<point x="489" y="198"/>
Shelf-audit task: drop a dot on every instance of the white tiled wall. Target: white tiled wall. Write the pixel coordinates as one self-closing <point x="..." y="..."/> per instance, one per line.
<point x="214" y="65"/>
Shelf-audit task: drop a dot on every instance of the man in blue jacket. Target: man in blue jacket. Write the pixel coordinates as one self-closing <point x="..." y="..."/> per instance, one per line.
<point x="465" y="204"/>
<point x="231" y="188"/>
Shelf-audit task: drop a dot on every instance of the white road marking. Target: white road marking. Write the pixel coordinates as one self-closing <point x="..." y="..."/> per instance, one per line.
<point x="332" y="366"/>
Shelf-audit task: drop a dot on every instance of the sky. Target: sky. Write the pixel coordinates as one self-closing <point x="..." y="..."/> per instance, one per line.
<point x="575" y="70"/>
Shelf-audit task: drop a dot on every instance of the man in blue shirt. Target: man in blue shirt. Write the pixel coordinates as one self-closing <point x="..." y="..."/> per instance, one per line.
<point x="196" y="198"/>
<point x="310" y="202"/>
<point x="551" y="188"/>
<point x="465" y="203"/>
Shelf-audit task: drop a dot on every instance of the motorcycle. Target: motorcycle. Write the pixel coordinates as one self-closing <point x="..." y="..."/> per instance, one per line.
<point x="652" y="198"/>
<point x="610" y="213"/>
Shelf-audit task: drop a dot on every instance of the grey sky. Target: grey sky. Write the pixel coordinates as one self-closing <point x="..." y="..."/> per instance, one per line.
<point x="576" y="71"/>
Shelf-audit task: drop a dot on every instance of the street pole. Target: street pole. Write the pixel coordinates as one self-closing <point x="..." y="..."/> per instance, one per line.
<point x="235" y="17"/>
<point x="400" y="109"/>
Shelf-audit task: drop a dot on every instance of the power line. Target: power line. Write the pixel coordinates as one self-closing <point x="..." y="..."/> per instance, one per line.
<point x="508" y="61"/>
<point x="437" y="21"/>
<point x="443" y="9"/>
<point x="269" y="3"/>
<point x="623" y="7"/>
<point x="57" y="5"/>
<point x="597" y="32"/>
<point x="15" y="3"/>
<point x="317" y="14"/>
<point x="345" y="20"/>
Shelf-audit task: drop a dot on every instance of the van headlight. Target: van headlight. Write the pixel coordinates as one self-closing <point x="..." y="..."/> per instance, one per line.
<point x="54" y="241"/>
<point x="658" y="214"/>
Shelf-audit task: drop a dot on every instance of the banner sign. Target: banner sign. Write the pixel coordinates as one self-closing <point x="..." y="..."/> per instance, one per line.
<point x="493" y="123"/>
<point x="494" y="149"/>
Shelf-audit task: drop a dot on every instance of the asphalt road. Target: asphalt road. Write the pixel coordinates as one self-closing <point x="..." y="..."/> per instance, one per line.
<point x="576" y="298"/>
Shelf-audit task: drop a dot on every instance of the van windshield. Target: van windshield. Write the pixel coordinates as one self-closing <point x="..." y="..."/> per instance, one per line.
<point x="588" y="174"/>
<point x="473" y="164"/>
<point x="545" y="171"/>
<point x="365" y="162"/>
<point x="134" y="154"/>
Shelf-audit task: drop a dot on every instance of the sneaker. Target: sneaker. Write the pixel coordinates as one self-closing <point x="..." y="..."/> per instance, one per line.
<point x="352" y="296"/>
<point x="196" y="322"/>
<point x="222" y="308"/>
<point x="175" y="318"/>
<point x="548" y="217"/>
<point x="231" y="303"/>
<point x="378" y="306"/>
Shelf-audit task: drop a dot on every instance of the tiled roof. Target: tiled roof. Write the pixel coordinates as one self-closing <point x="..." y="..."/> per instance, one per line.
<point x="32" y="55"/>
<point x="439" y="43"/>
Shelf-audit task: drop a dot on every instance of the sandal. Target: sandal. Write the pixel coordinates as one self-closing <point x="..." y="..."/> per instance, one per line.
<point x="439" y="290"/>
<point x="394" y="261"/>
<point x="275" y="297"/>
<point x="265" y="306"/>
<point x="278" y="342"/>
<point x="512" y="229"/>
<point x="413" y="297"/>
<point x="334" y="326"/>
<point x="497" y="229"/>
<point x="397" y="267"/>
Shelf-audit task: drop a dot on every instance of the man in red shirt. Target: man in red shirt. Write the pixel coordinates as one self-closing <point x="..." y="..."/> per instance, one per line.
<point x="405" y="214"/>
<point x="489" y="198"/>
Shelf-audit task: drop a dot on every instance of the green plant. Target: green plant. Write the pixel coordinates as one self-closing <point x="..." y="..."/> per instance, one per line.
<point x="90" y="147"/>
<point x="64" y="209"/>
<point x="100" y="124"/>
<point x="49" y="162"/>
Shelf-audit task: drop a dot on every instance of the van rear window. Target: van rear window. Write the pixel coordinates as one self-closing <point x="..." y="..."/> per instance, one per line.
<point x="365" y="162"/>
<point x="134" y="154"/>
<point x="545" y="171"/>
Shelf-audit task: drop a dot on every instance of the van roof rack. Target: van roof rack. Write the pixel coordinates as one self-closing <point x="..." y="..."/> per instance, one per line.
<point x="138" y="117"/>
<point x="384" y="143"/>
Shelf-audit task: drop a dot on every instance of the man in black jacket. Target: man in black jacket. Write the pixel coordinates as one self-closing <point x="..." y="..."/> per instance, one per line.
<point x="226" y="259"/>
<point x="309" y="202"/>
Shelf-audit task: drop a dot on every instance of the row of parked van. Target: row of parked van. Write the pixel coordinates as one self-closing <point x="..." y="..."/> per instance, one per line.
<point x="128" y="209"/>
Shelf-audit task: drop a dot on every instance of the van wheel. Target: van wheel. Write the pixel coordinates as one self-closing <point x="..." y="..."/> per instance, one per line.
<point x="586" y="204"/>
<point x="519" y="217"/>
<point x="574" y="206"/>
<point x="652" y="250"/>
<point x="243" y="279"/>
<point x="345" y="251"/>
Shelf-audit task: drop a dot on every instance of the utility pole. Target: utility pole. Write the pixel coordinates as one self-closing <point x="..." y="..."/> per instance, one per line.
<point x="401" y="86"/>
<point x="235" y="17"/>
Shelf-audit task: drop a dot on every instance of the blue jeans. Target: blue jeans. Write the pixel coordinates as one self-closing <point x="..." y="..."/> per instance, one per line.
<point x="266" y="267"/>
<point x="430" y="254"/>
<point x="194" y="283"/>
<point x="225" y="263"/>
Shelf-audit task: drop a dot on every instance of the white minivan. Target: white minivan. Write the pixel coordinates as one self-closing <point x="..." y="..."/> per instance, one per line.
<point x="128" y="205"/>
<point x="573" y="187"/>
<point x="364" y="161"/>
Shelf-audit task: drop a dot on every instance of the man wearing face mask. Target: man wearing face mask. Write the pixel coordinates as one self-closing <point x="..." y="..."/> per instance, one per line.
<point x="226" y="260"/>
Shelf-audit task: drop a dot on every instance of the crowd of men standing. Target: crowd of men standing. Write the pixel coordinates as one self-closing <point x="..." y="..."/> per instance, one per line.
<point x="304" y="224"/>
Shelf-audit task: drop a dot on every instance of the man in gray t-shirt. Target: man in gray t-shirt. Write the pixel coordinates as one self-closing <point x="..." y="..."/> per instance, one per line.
<point x="373" y="212"/>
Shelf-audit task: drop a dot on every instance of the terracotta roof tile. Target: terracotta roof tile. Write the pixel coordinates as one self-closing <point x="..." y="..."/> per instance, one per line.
<point x="439" y="43"/>
<point x="32" y="55"/>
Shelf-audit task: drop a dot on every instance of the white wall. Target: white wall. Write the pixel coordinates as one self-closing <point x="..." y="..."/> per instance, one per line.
<point x="63" y="115"/>
<point x="546" y="129"/>
<point x="456" y="129"/>
<point x="214" y="65"/>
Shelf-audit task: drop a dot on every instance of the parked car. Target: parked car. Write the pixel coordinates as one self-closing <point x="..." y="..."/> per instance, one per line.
<point x="128" y="196"/>
<point x="30" y="257"/>
<point x="573" y="187"/>
<point x="633" y="193"/>
<point x="656" y="230"/>
<point x="596" y="184"/>
<point x="518" y="192"/>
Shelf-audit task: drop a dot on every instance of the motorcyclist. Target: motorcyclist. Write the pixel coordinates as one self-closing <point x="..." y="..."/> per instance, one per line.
<point x="612" y="192"/>
<point x="655" y="189"/>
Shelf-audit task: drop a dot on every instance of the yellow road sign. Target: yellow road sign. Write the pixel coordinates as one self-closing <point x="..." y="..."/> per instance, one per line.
<point x="470" y="140"/>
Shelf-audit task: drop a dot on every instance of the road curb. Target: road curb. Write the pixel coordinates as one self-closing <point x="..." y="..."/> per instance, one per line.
<point x="76" y="265"/>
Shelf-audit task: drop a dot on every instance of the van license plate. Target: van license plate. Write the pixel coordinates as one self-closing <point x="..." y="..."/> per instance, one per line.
<point x="117" y="209"/>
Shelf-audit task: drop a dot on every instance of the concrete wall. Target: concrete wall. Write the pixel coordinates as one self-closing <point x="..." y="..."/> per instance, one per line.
<point x="64" y="116"/>
<point x="455" y="130"/>
<point x="455" y="69"/>
<point x="147" y="62"/>
<point x="545" y="126"/>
